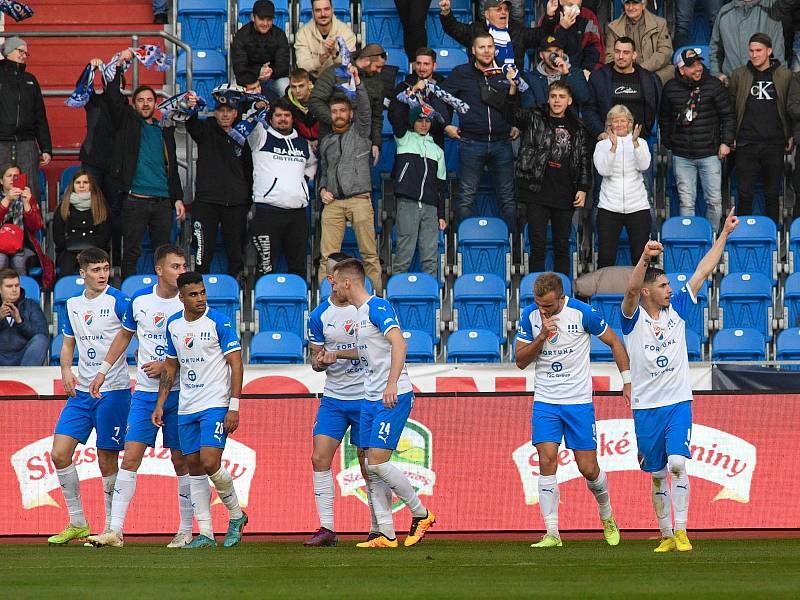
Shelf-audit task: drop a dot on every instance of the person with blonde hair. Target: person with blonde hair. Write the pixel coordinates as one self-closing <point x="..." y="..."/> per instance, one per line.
<point x="621" y="159"/>
<point x="81" y="221"/>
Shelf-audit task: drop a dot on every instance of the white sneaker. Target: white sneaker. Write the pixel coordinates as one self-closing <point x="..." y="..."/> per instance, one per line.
<point x="180" y="540"/>
<point x="107" y="538"/>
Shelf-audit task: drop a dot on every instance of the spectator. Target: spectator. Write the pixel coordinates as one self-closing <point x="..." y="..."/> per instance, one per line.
<point x="697" y="124"/>
<point x="621" y="158"/>
<point x="582" y="36"/>
<point x="511" y="38"/>
<point x="315" y="46"/>
<point x="485" y="131"/>
<point x="517" y="9"/>
<point x="684" y="17"/>
<point x="419" y="178"/>
<point x="24" y="132"/>
<point x="145" y="164"/>
<point x="81" y="221"/>
<point x="21" y="220"/>
<point x="763" y="130"/>
<point x="554" y="65"/>
<point x="223" y="188"/>
<point x="299" y="95"/>
<point x="345" y="182"/>
<point x="260" y="51"/>
<point x="413" y="17"/>
<point x="626" y="83"/>
<point x="24" y="340"/>
<point x="160" y="12"/>
<point x="369" y="61"/>
<point x="736" y="22"/>
<point x="650" y="35"/>
<point x="793" y="108"/>
<point x="424" y="70"/>
<point x="282" y="161"/>
<point x="553" y="172"/>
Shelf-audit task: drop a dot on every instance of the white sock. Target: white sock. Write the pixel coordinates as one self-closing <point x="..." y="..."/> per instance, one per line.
<point x="401" y="486"/>
<point x="599" y="487"/>
<point x="548" y="502"/>
<point x="71" y="488"/>
<point x="380" y="506"/>
<point x="185" y="503"/>
<point x="680" y="490"/>
<point x="122" y="494"/>
<point x="661" y="502"/>
<point x="227" y="493"/>
<point x="201" y="503"/>
<point x="108" y="491"/>
<point x="323" y="496"/>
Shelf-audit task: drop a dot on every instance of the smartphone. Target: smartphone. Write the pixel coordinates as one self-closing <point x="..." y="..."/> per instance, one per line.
<point x="20" y="181"/>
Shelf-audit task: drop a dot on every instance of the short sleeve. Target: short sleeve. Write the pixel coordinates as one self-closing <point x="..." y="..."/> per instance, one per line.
<point x="593" y="321"/>
<point x="682" y="301"/>
<point x="629" y="322"/>
<point x="170" y="352"/>
<point x="228" y="340"/>
<point x="121" y="305"/>
<point x="128" y="322"/>
<point x="66" y="326"/>
<point x="382" y="315"/>
<point x="316" y="335"/>
<point x="525" y="331"/>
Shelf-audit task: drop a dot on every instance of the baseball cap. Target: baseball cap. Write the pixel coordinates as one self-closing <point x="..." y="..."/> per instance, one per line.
<point x="688" y="57"/>
<point x="633" y="1"/>
<point x="495" y="3"/>
<point x="263" y="9"/>
<point x="551" y="42"/>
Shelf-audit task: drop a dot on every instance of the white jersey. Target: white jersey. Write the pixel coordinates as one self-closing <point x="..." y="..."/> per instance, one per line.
<point x="94" y="324"/>
<point x="657" y="350"/>
<point x="147" y="316"/>
<point x="200" y="347"/>
<point x="562" y="371"/>
<point x="375" y="318"/>
<point x="334" y="328"/>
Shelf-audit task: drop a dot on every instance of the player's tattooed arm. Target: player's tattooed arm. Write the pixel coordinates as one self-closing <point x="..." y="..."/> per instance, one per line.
<point x="651" y="251"/>
<point x="527" y="353"/>
<point x="166" y="381"/>
<point x="350" y="354"/>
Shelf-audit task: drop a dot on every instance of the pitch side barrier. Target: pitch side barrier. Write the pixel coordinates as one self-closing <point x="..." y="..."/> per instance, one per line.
<point x="468" y="454"/>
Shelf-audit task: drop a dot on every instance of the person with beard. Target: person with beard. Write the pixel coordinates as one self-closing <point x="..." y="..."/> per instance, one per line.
<point x="298" y="94"/>
<point x="145" y="164"/>
<point x="554" y="65"/>
<point x="315" y="46"/>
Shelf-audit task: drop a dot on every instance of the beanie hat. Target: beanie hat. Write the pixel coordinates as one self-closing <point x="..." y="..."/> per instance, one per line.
<point x="12" y="44"/>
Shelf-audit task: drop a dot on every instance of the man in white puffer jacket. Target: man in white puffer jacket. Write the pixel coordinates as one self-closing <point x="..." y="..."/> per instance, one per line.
<point x="621" y="159"/>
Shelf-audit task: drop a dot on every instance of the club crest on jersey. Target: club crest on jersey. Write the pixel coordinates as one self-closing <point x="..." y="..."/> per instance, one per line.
<point x="350" y="327"/>
<point x="552" y="336"/>
<point x="188" y="340"/>
<point x="658" y="332"/>
<point x="88" y="317"/>
<point x="159" y="320"/>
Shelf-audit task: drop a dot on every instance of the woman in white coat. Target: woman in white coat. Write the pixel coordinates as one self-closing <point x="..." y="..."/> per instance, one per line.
<point x="621" y="159"/>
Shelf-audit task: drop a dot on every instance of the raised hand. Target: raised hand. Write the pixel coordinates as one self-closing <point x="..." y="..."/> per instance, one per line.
<point x="731" y="221"/>
<point x="652" y="249"/>
<point x="444" y="7"/>
<point x="637" y="130"/>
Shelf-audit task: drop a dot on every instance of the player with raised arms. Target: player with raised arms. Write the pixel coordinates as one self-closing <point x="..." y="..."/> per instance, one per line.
<point x="146" y="318"/>
<point x="332" y="327"/>
<point x="554" y="334"/>
<point x="388" y="401"/>
<point x="654" y="326"/>
<point x="202" y="342"/>
<point x="92" y="321"/>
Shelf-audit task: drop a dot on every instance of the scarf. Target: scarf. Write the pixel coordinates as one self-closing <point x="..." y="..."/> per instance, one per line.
<point x="503" y="50"/>
<point x="228" y="93"/>
<point x="342" y="71"/>
<point x="416" y="100"/>
<point x="14" y="214"/>
<point x="689" y="112"/>
<point x="459" y="106"/>
<point x="176" y="109"/>
<point x="522" y="85"/>
<point x="81" y="200"/>
<point x="242" y="130"/>
<point x="16" y="10"/>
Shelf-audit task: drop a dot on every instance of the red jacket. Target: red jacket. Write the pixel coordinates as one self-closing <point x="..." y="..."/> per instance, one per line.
<point x="32" y="223"/>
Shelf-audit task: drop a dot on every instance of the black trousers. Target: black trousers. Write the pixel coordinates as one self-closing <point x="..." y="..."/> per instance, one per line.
<point x="413" y="14"/>
<point x="609" y="227"/>
<point x="277" y="232"/>
<point x="115" y="198"/>
<point x="67" y="263"/>
<point x="560" y="220"/>
<point x="140" y="215"/>
<point x="764" y="161"/>
<point x="206" y="220"/>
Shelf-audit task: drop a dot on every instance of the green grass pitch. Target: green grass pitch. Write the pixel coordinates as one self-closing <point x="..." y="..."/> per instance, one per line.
<point x="445" y="568"/>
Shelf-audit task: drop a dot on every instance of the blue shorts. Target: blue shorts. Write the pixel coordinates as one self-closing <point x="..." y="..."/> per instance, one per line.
<point x="382" y="427"/>
<point x="662" y="431"/>
<point x="334" y="416"/>
<point x="106" y="415"/>
<point x="141" y="428"/>
<point x="204" y="428"/>
<point x="574" y="423"/>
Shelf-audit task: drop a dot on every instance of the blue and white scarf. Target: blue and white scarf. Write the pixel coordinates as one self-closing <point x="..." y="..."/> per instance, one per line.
<point x="242" y="130"/>
<point x="16" y="10"/>
<point x="176" y="109"/>
<point x="343" y="72"/>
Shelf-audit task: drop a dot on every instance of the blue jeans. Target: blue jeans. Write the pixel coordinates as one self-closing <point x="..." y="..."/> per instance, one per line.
<point x="684" y="16"/>
<point x="160" y="7"/>
<point x="499" y="158"/>
<point x="32" y="354"/>
<point x="710" y="171"/>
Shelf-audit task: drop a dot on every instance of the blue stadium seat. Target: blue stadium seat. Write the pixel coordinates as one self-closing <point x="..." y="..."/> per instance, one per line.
<point x="437" y="38"/>
<point x="419" y="346"/>
<point x="486" y="204"/>
<point x="449" y="58"/>
<point x="753" y="247"/>
<point x="483" y="246"/>
<point x="526" y="288"/>
<point x="281" y="13"/>
<point x="133" y="283"/>
<point x="791" y="301"/>
<point x="396" y="57"/>
<point x="451" y="155"/>
<point x="65" y="288"/>
<point x="738" y="345"/>
<point x="686" y="240"/>
<point x="697" y="315"/>
<point x="599" y="351"/>
<point x="381" y="23"/>
<point x="473" y="346"/>
<point x="130" y="353"/>
<point x="548" y="258"/>
<point x="202" y="23"/>
<point x="55" y="351"/>
<point x="610" y="307"/>
<point x="788" y="347"/>
<point x="694" y="346"/>
<point x="31" y="287"/>
<point x="794" y="245"/>
<point x="745" y="300"/>
<point x="415" y="298"/>
<point x="480" y="301"/>
<point x="64" y="180"/>
<point x="278" y="347"/>
<point x="43" y="188"/>
<point x="281" y="304"/>
<point x="209" y="70"/>
<point x="223" y="293"/>
<point x="325" y="289"/>
<point x="341" y="8"/>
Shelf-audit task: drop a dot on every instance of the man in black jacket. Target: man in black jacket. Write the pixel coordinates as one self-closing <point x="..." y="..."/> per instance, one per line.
<point x="697" y="122"/>
<point x="145" y="165"/>
<point x="23" y="329"/>
<point x="260" y="51"/>
<point x="223" y="188"/>
<point x="24" y="131"/>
